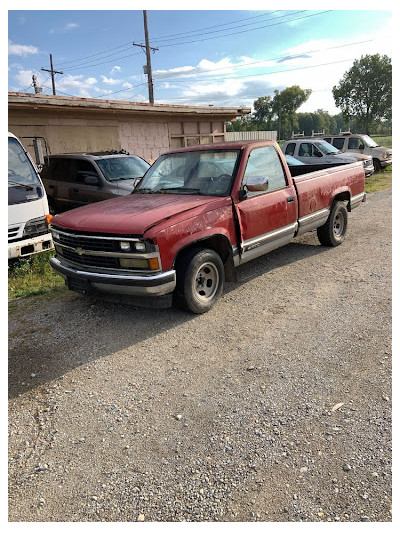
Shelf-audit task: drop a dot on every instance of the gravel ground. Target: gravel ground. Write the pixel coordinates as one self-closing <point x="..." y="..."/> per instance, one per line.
<point x="274" y="406"/>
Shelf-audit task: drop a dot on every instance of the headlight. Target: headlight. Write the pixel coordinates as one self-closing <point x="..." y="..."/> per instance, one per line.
<point x="55" y="235"/>
<point x="127" y="246"/>
<point x="384" y="155"/>
<point x="36" y="226"/>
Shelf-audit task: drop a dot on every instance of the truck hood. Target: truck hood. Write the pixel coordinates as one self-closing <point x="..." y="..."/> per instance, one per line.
<point x="132" y="214"/>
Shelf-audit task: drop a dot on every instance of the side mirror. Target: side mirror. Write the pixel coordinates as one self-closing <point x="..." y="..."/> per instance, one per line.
<point x="37" y="145"/>
<point x="257" y="183"/>
<point x="318" y="153"/>
<point x="362" y="146"/>
<point x="90" y="179"/>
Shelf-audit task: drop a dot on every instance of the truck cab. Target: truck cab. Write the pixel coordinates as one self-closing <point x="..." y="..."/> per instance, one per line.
<point x="28" y="210"/>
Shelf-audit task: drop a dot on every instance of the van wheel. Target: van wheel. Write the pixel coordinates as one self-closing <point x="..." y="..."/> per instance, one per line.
<point x="200" y="280"/>
<point x="333" y="232"/>
<point x="377" y="165"/>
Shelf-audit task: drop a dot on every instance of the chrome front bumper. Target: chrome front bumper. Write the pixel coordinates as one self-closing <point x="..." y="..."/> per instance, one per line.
<point x="158" y="284"/>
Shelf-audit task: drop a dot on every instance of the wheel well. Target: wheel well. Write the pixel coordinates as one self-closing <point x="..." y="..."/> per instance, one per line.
<point x="343" y="197"/>
<point x="221" y="245"/>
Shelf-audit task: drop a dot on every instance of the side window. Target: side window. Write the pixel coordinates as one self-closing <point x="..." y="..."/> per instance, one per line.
<point x="338" y="143"/>
<point x="354" y="143"/>
<point x="62" y="170"/>
<point x="290" y="149"/>
<point x="265" y="162"/>
<point x="306" y="150"/>
<point x="83" y="166"/>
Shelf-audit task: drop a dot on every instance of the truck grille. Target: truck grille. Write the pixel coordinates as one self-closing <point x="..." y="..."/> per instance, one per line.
<point x="97" y="261"/>
<point x="87" y="242"/>
<point x="91" y="251"/>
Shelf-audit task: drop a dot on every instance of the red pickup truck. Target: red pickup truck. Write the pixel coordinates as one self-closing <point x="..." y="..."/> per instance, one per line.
<point x="198" y="213"/>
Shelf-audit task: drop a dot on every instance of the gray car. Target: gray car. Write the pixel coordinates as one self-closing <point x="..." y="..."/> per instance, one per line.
<point x="73" y="180"/>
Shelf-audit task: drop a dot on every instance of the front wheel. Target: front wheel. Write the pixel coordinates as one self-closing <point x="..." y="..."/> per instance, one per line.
<point x="333" y="232"/>
<point x="200" y="280"/>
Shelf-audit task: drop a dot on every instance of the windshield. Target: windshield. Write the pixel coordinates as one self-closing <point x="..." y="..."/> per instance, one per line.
<point x="326" y="148"/>
<point x="201" y="172"/>
<point x="122" y="168"/>
<point x="369" y="142"/>
<point x="20" y="170"/>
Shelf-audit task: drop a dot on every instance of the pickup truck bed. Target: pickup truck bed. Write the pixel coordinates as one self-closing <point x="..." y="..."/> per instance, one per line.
<point x="197" y="214"/>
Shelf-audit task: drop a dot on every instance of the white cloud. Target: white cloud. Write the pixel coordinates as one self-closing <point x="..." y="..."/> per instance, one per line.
<point x="110" y="81"/>
<point x="116" y="68"/>
<point x="21" y="49"/>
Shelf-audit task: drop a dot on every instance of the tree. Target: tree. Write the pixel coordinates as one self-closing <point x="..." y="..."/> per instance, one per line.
<point x="365" y="91"/>
<point x="263" y="112"/>
<point x="285" y="105"/>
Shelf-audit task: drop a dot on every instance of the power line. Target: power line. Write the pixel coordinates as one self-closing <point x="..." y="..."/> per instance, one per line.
<point x="128" y="44"/>
<point x="189" y="77"/>
<point x="246" y="31"/>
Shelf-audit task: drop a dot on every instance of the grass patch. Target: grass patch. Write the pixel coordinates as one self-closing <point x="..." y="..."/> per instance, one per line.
<point x="379" y="181"/>
<point x="32" y="275"/>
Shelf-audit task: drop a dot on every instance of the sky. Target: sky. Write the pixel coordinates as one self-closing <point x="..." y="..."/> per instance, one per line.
<point x="220" y="57"/>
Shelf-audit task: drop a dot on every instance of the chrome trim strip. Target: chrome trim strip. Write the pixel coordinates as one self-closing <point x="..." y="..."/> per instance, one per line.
<point x="85" y="236"/>
<point x="255" y="242"/>
<point x="312" y="216"/>
<point x="357" y="199"/>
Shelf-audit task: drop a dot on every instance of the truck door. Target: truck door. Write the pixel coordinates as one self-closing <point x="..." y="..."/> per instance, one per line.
<point x="267" y="218"/>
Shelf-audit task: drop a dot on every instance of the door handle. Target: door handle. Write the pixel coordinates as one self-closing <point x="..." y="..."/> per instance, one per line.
<point x="51" y="186"/>
<point x="74" y="189"/>
<point x="290" y="199"/>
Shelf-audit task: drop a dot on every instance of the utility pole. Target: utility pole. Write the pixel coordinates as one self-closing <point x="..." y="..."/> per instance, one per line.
<point x="148" y="66"/>
<point x="52" y="71"/>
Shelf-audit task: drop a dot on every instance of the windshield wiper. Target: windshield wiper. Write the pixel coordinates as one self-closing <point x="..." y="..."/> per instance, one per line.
<point x="144" y="191"/>
<point x="180" y="189"/>
<point x="21" y="184"/>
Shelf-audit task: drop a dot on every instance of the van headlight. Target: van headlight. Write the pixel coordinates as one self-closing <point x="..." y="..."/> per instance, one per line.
<point x="35" y="227"/>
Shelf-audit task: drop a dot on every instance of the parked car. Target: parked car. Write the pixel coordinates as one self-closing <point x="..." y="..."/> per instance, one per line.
<point x="363" y="144"/>
<point x="73" y="180"/>
<point x="28" y="210"/>
<point x="319" y="152"/>
<point x="179" y="235"/>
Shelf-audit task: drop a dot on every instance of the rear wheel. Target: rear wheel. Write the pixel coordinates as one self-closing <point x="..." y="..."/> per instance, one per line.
<point x="200" y="280"/>
<point x="333" y="232"/>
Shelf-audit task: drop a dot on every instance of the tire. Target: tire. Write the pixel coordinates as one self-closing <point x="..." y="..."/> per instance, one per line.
<point x="377" y="165"/>
<point x="200" y="280"/>
<point x="333" y="232"/>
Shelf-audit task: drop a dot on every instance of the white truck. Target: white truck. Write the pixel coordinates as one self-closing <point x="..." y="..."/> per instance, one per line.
<point x="319" y="153"/>
<point x="28" y="209"/>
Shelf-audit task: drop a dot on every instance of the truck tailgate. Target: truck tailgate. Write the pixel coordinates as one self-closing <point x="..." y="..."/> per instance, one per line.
<point x="316" y="190"/>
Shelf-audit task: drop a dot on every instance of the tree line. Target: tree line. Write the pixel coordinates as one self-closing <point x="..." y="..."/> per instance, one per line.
<point x="364" y="96"/>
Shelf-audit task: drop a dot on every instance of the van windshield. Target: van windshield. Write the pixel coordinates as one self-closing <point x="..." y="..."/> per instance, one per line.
<point x="369" y="142"/>
<point x="20" y="170"/>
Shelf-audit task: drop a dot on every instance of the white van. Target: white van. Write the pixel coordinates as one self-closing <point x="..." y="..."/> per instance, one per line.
<point x="28" y="210"/>
<point x="363" y="144"/>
